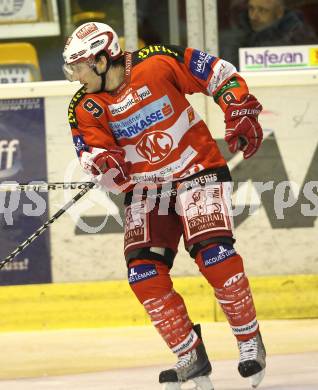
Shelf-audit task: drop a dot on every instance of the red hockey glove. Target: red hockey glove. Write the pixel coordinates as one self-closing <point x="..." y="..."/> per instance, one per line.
<point x="112" y="158"/>
<point x="243" y="132"/>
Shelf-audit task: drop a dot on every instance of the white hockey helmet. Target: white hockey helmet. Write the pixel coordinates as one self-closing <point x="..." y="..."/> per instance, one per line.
<point x="86" y="42"/>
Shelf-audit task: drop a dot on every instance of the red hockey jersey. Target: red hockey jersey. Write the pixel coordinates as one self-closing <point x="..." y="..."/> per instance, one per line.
<point x="150" y="117"/>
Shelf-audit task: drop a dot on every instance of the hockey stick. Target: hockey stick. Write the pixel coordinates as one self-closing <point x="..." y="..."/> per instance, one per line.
<point x="42" y="228"/>
<point x="42" y="186"/>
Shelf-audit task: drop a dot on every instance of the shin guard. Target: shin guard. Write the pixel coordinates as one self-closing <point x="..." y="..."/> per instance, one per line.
<point x="223" y="268"/>
<point x="169" y="315"/>
<point x="165" y="306"/>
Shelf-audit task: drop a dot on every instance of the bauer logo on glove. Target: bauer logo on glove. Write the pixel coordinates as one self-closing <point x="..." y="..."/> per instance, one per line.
<point x="243" y="132"/>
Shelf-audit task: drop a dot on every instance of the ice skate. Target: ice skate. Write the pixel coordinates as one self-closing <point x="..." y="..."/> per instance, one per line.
<point x="193" y="366"/>
<point x="252" y="360"/>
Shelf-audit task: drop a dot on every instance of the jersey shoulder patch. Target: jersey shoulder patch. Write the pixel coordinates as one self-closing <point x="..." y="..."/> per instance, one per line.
<point x="79" y="95"/>
<point x="176" y="52"/>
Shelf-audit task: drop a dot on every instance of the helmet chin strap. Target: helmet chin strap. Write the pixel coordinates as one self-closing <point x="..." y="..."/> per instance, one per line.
<point x="103" y="84"/>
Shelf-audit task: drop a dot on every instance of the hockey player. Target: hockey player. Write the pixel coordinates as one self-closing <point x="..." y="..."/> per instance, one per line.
<point x="132" y="115"/>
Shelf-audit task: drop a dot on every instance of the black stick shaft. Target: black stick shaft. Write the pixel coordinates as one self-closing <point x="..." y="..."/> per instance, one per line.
<point x="41" y="186"/>
<point x="42" y="228"/>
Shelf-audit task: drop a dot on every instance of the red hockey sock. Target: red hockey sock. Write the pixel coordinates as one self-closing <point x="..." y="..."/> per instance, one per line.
<point x="164" y="305"/>
<point x="223" y="268"/>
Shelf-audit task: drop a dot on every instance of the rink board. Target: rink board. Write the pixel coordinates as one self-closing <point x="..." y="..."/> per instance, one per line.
<point x="279" y="247"/>
<point x="111" y="304"/>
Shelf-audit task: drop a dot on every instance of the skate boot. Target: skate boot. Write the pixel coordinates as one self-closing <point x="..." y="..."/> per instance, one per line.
<point x="252" y="360"/>
<point x="194" y="365"/>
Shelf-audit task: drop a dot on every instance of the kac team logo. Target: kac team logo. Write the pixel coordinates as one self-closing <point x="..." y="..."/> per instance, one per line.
<point x="10" y="7"/>
<point x="155" y="146"/>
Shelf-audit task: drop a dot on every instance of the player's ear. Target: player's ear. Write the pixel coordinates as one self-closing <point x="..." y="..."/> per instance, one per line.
<point x="101" y="64"/>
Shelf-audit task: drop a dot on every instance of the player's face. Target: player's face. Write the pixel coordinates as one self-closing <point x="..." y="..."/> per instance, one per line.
<point x="84" y="73"/>
<point x="263" y="13"/>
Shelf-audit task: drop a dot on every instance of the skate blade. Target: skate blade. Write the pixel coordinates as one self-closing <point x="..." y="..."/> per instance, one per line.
<point x="256" y="379"/>
<point x="171" y="386"/>
<point x="199" y="383"/>
<point x="203" y="383"/>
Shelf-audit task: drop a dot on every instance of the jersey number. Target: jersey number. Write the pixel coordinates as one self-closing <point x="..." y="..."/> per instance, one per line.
<point x="228" y="97"/>
<point x="91" y="106"/>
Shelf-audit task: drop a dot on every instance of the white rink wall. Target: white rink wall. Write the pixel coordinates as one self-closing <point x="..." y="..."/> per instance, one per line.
<point x="290" y="101"/>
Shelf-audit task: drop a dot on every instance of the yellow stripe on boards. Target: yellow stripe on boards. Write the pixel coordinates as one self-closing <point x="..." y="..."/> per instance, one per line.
<point x="112" y="303"/>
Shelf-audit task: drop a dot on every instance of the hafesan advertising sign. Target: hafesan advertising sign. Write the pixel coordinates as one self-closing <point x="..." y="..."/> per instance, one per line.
<point x="278" y="58"/>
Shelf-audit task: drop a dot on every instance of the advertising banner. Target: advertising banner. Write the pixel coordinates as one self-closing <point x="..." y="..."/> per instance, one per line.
<point x="15" y="74"/>
<point x="278" y="58"/>
<point x="275" y="194"/>
<point x="13" y="11"/>
<point x="23" y="159"/>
